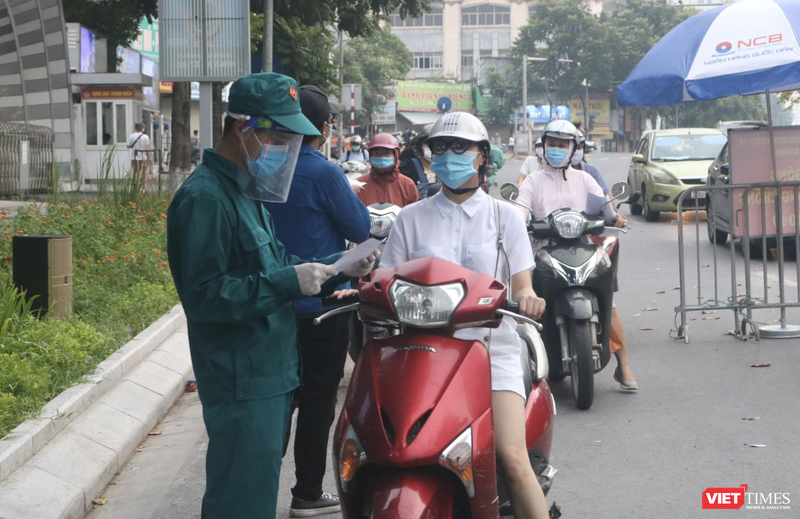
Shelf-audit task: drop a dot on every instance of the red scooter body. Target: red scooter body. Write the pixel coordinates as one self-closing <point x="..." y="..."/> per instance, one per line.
<point x="413" y="395"/>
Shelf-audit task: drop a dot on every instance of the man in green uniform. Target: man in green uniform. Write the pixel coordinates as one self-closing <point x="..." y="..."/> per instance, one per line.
<point x="236" y="285"/>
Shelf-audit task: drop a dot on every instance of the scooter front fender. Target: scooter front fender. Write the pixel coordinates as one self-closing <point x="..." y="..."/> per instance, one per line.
<point x="575" y="303"/>
<point x="424" y="493"/>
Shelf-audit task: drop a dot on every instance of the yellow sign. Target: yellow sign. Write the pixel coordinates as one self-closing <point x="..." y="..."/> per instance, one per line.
<point x="598" y="110"/>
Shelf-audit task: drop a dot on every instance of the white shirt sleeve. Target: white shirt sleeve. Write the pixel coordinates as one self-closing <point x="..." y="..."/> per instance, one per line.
<point x="516" y="242"/>
<point x="396" y="250"/>
<point x="526" y="167"/>
<point x="526" y="197"/>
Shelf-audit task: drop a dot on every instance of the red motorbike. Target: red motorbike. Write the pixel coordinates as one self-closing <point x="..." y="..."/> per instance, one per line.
<point x="415" y="437"/>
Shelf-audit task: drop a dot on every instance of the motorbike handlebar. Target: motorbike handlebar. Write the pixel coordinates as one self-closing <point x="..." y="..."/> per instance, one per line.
<point x="512" y="310"/>
<point x="332" y="301"/>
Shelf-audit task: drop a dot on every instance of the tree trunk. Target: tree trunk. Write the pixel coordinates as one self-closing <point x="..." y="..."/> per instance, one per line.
<point x="180" y="152"/>
<point x="216" y="117"/>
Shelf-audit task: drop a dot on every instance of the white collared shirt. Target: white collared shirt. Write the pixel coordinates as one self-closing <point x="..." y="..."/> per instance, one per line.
<point x="464" y="234"/>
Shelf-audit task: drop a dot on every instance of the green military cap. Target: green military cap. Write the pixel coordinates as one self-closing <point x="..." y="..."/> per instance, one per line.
<point x="269" y="97"/>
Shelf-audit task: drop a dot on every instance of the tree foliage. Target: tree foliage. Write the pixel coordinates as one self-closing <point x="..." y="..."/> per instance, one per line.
<point x="117" y="20"/>
<point x="375" y="61"/>
<point x="502" y="94"/>
<point x="304" y="50"/>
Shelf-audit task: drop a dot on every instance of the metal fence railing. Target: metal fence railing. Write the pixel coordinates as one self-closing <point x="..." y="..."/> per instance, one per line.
<point x="26" y="159"/>
<point x="750" y="214"/>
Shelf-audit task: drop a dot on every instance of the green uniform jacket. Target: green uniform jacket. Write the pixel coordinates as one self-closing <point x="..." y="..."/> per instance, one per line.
<point x="236" y="285"/>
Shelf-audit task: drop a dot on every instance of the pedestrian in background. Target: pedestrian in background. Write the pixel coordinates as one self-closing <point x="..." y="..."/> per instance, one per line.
<point x="319" y="216"/>
<point x="195" y="144"/>
<point x="139" y="144"/>
<point x="236" y="284"/>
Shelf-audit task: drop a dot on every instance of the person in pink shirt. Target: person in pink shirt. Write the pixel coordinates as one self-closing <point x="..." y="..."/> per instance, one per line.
<point x="558" y="185"/>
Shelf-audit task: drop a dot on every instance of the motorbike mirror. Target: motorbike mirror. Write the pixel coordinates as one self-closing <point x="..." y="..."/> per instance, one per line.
<point x="620" y="190"/>
<point x="509" y="191"/>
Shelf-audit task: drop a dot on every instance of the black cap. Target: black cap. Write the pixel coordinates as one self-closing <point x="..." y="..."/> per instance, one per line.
<point x="315" y="105"/>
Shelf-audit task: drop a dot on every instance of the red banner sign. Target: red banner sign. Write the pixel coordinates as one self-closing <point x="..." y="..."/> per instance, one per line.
<point x="111" y="93"/>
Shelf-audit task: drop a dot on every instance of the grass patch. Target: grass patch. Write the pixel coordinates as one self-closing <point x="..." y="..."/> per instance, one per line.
<point x="121" y="282"/>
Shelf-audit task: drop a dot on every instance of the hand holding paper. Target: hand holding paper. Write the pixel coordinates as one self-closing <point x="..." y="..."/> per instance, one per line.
<point x="358" y="262"/>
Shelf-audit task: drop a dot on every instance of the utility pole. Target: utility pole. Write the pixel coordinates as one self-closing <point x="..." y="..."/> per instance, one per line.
<point x="586" y="110"/>
<point x="340" y="139"/>
<point x="266" y="59"/>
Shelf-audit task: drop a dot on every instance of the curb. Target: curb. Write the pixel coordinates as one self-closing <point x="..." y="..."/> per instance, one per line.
<point x="55" y="464"/>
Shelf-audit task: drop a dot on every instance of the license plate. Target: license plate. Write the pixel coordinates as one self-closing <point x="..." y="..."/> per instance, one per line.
<point x="697" y="194"/>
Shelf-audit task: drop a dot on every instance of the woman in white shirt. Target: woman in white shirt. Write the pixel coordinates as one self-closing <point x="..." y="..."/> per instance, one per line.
<point x="458" y="224"/>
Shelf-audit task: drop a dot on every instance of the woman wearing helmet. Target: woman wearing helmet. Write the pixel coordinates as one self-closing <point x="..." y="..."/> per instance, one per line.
<point x="355" y="152"/>
<point x="462" y="224"/>
<point x="531" y="164"/>
<point x="560" y="185"/>
<point x="384" y="183"/>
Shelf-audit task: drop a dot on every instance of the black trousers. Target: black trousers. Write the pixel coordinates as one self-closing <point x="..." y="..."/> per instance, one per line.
<point x="323" y="350"/>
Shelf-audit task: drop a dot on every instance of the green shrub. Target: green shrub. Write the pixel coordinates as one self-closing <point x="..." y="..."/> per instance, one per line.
<point x="121" y="284"/>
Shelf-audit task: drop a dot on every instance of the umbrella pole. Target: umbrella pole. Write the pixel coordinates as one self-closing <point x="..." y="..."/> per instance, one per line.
<point x="782" y="330"/>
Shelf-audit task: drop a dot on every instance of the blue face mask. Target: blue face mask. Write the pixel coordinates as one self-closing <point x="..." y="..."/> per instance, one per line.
<point x="269" y="160"/>
<point x="355" y="148"/>
<point x="454" y="169"/>
<point x="382" y="162"/>
<point x="556" y="156"/>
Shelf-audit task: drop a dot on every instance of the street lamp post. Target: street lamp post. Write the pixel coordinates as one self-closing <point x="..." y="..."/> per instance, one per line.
<point x="586" y="109"/>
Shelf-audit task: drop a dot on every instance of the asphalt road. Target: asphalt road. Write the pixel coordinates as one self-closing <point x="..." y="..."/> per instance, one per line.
<point x="644" y="455"/>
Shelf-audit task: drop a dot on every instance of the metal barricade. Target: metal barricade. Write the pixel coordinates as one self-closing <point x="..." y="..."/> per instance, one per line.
<point x="26" y="159"/>
<point x="741" y="226"/>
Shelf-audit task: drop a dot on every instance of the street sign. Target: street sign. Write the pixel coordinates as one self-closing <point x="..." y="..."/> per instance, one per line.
<point x="206" y="40"/>
<point x="345" y="99"/>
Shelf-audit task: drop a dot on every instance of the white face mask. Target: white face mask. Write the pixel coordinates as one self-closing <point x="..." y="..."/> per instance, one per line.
<point x="426" y="151"/>
<point x="540" y="152"/>
<point x="577" y="158"/>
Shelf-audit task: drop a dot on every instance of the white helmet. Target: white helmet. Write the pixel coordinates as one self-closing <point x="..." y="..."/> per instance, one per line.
<point x="355" y="139"/>
<point x="461" y="125"/>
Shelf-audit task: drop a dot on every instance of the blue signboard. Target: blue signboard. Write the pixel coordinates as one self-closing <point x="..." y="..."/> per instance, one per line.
<point x="542" y="114"/>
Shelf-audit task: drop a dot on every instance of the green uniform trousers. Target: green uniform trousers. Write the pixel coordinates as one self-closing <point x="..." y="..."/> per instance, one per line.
<point x="243" y="463"/>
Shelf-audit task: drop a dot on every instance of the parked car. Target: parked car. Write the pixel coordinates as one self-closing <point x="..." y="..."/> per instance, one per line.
<point x="666" y="163"/>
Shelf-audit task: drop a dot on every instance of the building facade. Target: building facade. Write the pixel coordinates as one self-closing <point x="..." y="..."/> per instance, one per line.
<point x="449" y="41"/>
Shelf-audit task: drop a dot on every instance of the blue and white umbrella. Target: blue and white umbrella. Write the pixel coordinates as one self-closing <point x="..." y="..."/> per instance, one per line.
<point x="747" y="47"/>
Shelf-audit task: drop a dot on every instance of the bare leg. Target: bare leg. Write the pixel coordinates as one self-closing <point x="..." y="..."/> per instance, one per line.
<point x="527" y="498"/>
<point x="622" y="353"/>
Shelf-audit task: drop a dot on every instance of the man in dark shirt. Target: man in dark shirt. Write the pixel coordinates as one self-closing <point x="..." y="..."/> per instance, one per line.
<point x="320" y="213"/>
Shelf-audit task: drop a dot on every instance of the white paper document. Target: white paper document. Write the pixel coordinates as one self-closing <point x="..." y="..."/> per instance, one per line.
<point x="596" y="205"/>
<point x="359" y="253"/>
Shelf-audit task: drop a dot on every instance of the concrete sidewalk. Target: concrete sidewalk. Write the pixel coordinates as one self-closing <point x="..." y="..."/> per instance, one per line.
<point x="166" y="476"/>
<point x="79" y="459"/>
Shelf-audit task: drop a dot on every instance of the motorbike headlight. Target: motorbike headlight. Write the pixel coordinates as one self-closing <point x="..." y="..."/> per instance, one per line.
<point x="425" y="306"/>
<point x="457" y="457"/>
<point x="351" y="457"/>
<point x="660" y="177"/>
<point x="569" y="225"/>
<point x="379" y="226"/>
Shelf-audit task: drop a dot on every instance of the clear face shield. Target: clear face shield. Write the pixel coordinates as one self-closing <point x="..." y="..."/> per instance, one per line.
<point x="271" y="152"/>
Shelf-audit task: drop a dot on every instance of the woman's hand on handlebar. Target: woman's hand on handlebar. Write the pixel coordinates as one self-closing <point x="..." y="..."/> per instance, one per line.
<point x="620" y="221"/>
<point x="530" y="305"/>
<point x="343" y="294"/>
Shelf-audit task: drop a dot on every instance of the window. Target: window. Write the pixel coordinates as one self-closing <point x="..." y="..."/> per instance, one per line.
<point x="427" y="60"/>
<point x="486" y="14"/>
<point x="121" y="125"/>
<point x="432" y="18"/>
<point x="467" y="60"/>
<point x="91" y="123"/>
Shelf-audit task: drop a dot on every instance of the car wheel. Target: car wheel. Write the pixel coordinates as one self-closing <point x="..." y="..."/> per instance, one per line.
<point x="714" y="235"/>
<point x="635" y="209"/>
<point x="649" y="214"/>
